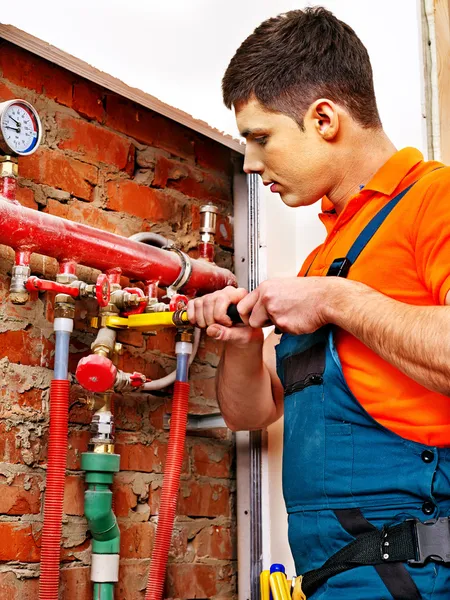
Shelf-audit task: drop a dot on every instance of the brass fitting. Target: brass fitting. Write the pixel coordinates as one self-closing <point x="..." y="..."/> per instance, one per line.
<point x="64" y="307"/>
<point x="9" y="166"/>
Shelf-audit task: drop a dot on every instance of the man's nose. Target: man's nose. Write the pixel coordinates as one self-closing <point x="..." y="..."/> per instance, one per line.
<point x="252" y="164"/>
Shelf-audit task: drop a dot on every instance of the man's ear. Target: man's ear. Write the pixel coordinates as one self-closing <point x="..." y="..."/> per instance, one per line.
<point x="325" y="118"/>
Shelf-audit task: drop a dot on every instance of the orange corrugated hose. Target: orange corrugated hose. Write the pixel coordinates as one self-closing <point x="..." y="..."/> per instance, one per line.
<point x="169" y="495"/>
<point x="54" y="493"/>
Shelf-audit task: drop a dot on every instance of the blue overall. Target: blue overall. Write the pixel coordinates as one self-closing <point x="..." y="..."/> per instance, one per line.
<point x="336" y="456"/>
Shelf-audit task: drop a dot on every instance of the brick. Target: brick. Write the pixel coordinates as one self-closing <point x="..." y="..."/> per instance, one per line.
<point x="6" y="93"/>
<point x="95" y="144"/>
<point x="135" y="456"/>
<point x="29" y="71"/>
<point x="211" y="459"/>
<point x="9" y="449"/>
<point x="81" y="212"/>
<point x="133" y="580"/>
<point x="13" y="403"/>
<point x="136" y="540"/>
<point x="194" y="580"/>
<point x="148" y="127"/>
<point x="210" y="350"/>
<point x="78" y="443"/>
<point x="214" y="542"/>
<point x="190" y="181"/>
<point x="142" y="201"/>
<point x="130" y="412"/>
<point x="124" y="497"/>
<point x="74" y="495"/>
<point x="211" y="155"/>
<point x="204" y="387"/>
<point x="20" y="496"/>
<point x="196" y="499"/>
<point x="204" y="499"/>
<point x="130" y="338"/>
<point x="18" y="542"/>
<point x="88" y="100"/>
<point x="21" y="347"/>
<point x="26" y="197"/>
<point x="59" y="171"/>
<point x="14" y="588"/>
<point x="76" y="583"/>
<point x="163" y="342"/>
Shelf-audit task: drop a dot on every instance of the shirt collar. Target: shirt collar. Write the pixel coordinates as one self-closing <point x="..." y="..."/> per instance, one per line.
<point x="385" y="181"/>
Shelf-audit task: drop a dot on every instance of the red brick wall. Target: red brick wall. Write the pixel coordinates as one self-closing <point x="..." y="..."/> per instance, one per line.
<point x="114" y="165"/>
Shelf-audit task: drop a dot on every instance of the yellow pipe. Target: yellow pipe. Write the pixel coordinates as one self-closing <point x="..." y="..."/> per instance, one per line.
<point x="144" y="321"/>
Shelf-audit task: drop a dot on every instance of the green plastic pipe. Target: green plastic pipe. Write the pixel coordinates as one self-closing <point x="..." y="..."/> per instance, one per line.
<point x="103" y="591"/>
<point x="102" y="522"/>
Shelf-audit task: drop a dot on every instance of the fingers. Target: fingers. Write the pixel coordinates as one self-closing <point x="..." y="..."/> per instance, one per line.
<point x="253" y="310"/>
<point x="238" y="336"/>
<point x="212" y="308"/>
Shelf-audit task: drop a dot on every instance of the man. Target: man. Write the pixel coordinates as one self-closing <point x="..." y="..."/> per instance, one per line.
<point x="362" y="371"/>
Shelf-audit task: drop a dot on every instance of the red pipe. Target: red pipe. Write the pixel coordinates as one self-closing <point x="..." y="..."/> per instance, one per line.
<point x="54" y="493"/>
<point x="26" y="229"/>
<point x="169" y="494"/>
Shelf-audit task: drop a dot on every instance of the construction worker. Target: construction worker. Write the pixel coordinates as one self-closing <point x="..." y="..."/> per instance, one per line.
<point x="362" y="369"/>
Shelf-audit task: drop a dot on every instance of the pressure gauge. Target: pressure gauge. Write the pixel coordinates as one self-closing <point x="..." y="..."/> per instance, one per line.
<point x="20" y="128"/>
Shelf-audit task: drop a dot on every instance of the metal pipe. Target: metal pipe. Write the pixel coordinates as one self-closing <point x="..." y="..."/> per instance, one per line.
<point x="34" y="231"/>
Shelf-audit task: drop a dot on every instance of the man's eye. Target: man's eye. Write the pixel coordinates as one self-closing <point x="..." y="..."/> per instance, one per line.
<point x="261" y="140"/>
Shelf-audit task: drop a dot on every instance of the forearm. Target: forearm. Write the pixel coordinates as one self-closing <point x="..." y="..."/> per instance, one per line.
<point x="244" y="389"/>
<point x="414" y="339"/>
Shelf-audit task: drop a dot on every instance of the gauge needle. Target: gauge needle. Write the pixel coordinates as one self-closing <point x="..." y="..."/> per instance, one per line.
<point x="16" y="122"/>
<point x="13" y="128"/>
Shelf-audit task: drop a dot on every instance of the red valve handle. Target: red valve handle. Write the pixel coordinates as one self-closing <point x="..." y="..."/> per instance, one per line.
<point x="103" y="290"/>
<point x="141" y="307"/>
<point x="137" y="379"/>
<point x="34" y="284"/>
<point x="178" y="302"/>
<point x="96" y="373"/>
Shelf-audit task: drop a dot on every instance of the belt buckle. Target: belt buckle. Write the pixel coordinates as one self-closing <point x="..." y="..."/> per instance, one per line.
<point x="432" y="541"/>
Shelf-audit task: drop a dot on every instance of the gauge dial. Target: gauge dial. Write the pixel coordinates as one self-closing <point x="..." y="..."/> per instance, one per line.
<point x="20" y="127"/>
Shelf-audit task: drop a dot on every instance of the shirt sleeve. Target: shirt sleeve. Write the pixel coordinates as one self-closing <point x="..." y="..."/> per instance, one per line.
<point x="432" y="237"/>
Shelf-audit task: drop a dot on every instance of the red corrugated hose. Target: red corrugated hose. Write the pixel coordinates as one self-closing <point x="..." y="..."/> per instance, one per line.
<point x="54" y="493"/>
<point x="169" y="495"/>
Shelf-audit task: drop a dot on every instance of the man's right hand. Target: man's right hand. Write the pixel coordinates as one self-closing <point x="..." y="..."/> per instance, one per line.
<point x="210" y="312"/>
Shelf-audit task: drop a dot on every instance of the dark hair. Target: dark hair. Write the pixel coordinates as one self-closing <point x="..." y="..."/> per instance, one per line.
<point x="291" y="60"/>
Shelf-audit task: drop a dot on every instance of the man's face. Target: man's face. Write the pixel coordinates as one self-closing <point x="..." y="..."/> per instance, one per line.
<point x="294" y="163"/>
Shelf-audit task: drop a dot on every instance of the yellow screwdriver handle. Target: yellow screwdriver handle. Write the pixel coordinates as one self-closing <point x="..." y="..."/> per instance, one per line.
<point x="264" y="587"/>
<point x="279" y="587"/>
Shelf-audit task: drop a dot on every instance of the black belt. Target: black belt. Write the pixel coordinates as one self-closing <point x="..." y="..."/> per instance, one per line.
<point x="412" y="542"/>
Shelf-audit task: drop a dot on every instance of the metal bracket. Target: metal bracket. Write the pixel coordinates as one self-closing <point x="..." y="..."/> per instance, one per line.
<point x="198" y="422"/>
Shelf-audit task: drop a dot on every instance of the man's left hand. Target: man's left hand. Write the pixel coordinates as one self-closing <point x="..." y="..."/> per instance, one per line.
<point x="295" y="305"/>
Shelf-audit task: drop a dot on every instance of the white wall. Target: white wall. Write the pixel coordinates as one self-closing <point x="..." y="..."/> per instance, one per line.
<point x="178" y="50"/>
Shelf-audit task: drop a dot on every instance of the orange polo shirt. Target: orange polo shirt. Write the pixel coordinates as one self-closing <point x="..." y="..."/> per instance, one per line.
<point x="408" y="259"/>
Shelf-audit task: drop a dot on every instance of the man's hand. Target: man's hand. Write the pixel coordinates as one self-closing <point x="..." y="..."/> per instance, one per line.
<point x="210" y="312"/>
<point x="295" y="305"/>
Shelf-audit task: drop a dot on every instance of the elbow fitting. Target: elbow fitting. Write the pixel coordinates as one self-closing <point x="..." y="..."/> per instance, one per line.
<point x="101" y="520"/>
<point x="100" y="469"/>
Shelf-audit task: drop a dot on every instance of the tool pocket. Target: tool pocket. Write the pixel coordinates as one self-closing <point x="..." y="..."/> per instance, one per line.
<point x="304" y="369"/>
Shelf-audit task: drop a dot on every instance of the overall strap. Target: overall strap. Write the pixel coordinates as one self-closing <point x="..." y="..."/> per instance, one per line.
<point x="341" y="266"/>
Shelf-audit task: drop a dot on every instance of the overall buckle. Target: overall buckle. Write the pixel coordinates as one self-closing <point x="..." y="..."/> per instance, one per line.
<point x="432" y="541"/>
